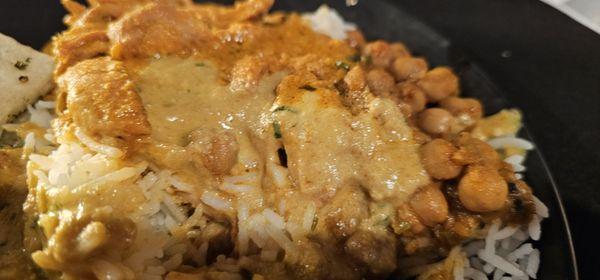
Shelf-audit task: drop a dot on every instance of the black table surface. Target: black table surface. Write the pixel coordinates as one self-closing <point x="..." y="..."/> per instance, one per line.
<point x="550" y="70"/>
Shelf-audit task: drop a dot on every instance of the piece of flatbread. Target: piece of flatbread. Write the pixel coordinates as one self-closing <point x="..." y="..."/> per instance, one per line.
<point x="25" y="75"/>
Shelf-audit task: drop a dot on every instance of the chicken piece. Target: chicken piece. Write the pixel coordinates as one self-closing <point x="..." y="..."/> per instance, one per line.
<point x="318" y="261"/>
<point x="346" y="211"/>
<point x="251" y="9"/>
<point x="375" y="249"/>
<point x="217" y="152"/>
<point x="101" y="99"/>
<point x="157" y="28"/>
<point x="247" y="73"/>
<point x="25" y="75"/>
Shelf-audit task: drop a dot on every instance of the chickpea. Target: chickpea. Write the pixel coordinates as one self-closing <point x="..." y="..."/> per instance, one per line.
<point x="380" y="82"/>
<point x="407" y="215"/>
<point x="439" y="83"/>
<point x="435" y="121"/>
<point x="467" y="110"/>
<point x="430" y="205"/>
<point x="407" y="67"/>
<point x="399" y="50"/>
<point x="482" y="189"/>
<point x="437" y="159"/>
<point x="356" y="39"/>
<point x="413" y="96"/>
<point x="355" y="79"/>
<point x="380" y="53"/>
<point x="475" y="151"/>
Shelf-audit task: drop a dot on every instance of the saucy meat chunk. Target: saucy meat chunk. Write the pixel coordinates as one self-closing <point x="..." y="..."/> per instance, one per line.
<point x="102" y="99"/>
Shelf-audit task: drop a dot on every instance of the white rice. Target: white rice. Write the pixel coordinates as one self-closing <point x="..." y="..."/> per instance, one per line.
<point x="510" y="141"/>
<point x="329" y="22"/>
<point x="97" y="147"/>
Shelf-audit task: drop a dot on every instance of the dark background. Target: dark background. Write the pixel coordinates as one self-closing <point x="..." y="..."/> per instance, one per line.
<point x="553" y="75"/>
<point x="550" y="70"/>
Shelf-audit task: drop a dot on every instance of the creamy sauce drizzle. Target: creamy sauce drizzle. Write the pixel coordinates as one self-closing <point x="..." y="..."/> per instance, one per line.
<point x="182" y="95"/>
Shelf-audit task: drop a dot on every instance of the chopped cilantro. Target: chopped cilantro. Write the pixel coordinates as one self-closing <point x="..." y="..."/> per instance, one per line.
<point x="277" y="129"/>
<point x="200" y="64"/>
<point x="342" y="65"/>
<point x="367" y="59"/>
<point x="285" y="108"/>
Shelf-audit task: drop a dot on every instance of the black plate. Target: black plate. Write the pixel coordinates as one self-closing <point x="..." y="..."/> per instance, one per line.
<point x="33" y="22"/>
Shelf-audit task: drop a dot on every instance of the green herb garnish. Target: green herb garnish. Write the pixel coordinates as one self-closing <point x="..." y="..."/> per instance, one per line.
<point x="22" y="65"/>
<point x="284" y="108"/>
<point x="200" y="64"/>
<point x="367" y="59"/>
<point x="277" y="129"/>
<point x="308" y="87"/>
<point x="342" y="65"/>
<point x="385" y="222"/>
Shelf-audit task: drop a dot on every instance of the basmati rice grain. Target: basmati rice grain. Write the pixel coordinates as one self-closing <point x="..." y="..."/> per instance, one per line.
<point x="29" y="143"/>
<point x="533" y="263"/>
<point x="282" y="240"/>
<point x="488" y="268"/>
<point x="534" y="228"/>
<point x="475" y="274"/>
<point x="540" y="208"/>
<point x="97" y="147"/>
<point x="213" y="200"/>
<point x="473" y="247"/>
<point x="505" y="233"/>
<point x="503" y="142"/>
<point x="490" y="242"/>
<point x="520" y="235"/>
<point x="45" y="104"/>
<point x="309" y="217"/>
<point x="179" y="185"/>
<point x="498" y="273"/>
<point x="500" y="263"/>
<point x="476" y="264"/>
<point x="519" y="253"/>
<point x="274" y="218"/>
